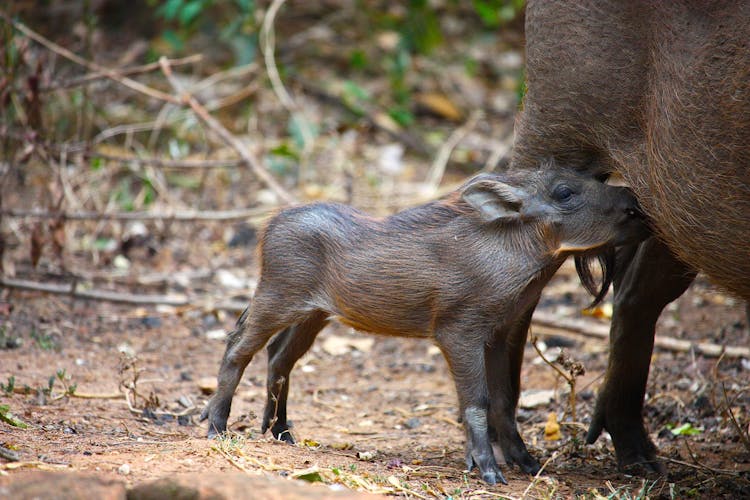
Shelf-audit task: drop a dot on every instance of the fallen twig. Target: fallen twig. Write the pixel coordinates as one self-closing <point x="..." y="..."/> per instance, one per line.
<point x="161" y="162"/>
<point x="70" y="289"/>
<point x="543" y="322"/>
<point x="133" y="70"/>
<point x="35" y="464"/>
<point x="186" y="216"/>
<point x="569" y="378"/>
<point x="226" y="136"/>
<point x="74" y="394"/>
<point x="139" y="411"/>
<point x="700" y="465"/>
<point x="601" y="331"/>
<point x="437" y="169"/>
<point x="538" y="474"/>
<point x="109" y="73"/>
<point x="741" y="433"/>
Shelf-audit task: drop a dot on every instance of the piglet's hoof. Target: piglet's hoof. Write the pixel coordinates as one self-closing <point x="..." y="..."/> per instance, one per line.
<point x="491" y="473"/>
<point x="493" y="477"/>
<point x="215" y="427"/>
<point x="285" y="436"/>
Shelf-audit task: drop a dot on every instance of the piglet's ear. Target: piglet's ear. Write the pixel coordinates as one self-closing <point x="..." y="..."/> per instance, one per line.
<point x="494" y="200"/>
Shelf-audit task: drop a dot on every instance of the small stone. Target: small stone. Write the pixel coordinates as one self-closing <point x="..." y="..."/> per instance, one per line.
<point x="533" y="398"/>
<point x="208" y="385"/>
<point x="683" y="384"/>
<point x="412" y="423"/>
<point x="367" y="456"/>
<point x="218" y="334"/>
<point x="124" y="469"/>
<point x="121" y="262"/>
<point x="151" y="321"/>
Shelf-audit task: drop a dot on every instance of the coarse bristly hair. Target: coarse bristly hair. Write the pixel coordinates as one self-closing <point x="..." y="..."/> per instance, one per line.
<point x="584" y="263"/>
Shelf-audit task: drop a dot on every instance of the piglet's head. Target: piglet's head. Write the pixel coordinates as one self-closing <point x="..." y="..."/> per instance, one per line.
<point x="573" y="214"/>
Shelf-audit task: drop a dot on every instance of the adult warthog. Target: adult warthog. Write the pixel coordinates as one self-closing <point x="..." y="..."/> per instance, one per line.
<point x="660" y="93"/>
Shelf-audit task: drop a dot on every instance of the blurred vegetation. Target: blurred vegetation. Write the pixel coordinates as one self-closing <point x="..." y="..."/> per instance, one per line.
<point x="378" y="87"/>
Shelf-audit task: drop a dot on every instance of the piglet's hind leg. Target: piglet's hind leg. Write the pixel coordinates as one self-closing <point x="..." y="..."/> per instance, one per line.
<point x="283" y="352"/>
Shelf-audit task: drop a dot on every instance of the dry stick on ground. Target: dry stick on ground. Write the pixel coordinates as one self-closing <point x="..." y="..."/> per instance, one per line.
<point x="437" y="169"/>
<point x="539" y="474"/>
<point x="601" y="331"/>
<point x="181" y="216"/>
<point x="108" y="72"/>
<point x="125" y="298"/>
<point x="700" y="465"/>
<point x="548" y="323"/>
<point x="185" y="98"/>
<point x="571" y="380"/>
<point x="134" y="70"/>
<point x="740" y="431"/>
<point x="267" y="45"/>
<point x="164" y="163"/>
<point x="227" y="136"/>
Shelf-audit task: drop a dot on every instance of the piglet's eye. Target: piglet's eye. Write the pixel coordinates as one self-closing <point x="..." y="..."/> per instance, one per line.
<point x="562" y="193"/>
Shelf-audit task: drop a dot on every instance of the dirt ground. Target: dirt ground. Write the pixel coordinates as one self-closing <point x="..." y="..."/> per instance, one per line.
<point x="116" y="389"/>
<point x="370" y="413"/>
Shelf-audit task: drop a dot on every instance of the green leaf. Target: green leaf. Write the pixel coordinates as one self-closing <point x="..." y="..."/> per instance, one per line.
<point x="355" y="91"/>
<point x="301" y="129"/>
<point x="353" y="95"/>
<point x="183" y="181"/>
<point x="285" y="150"/>
<point x="173" y="39"/>
<point x="96" y="163"/>
<point x="311" y="475"/>
<point x="244" y="47"/>
<point x="149" y="193"/>
<point x="358" y="59"/>
<point x="403" y="116"/>
<point x="246" y="6"/>
<point x="102" y="244"/>
<point x="190" y="11"/>
<point x="487" y="13"/>
<point x="170" y="9"/>
<point x="7" y="417"/>
<point x="686" y="429"/>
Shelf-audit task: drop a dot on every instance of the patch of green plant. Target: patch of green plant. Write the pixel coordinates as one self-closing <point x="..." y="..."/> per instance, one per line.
<point x="358" y="59"/>
<point x="69" y="389"/>
<point x="7" y="417"/>
<point x="232" y="24"/>
<point x="45" y="341"/>
<point x="420" y="30"/>
<point x="495" y="13"/>
<point x="401" y="115"/>
<point x="685" y="429"/>
<point x="301" y="130"/>
<point x="311" y="477"/>
<point x="8" y="341"/>
<point x="10" y="386"/>
<point x="354" y="97"/>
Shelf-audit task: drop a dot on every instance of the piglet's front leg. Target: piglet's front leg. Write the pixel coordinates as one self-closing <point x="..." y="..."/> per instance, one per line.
<point x="503" y="359"/>
<point x="465" y="355"/>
